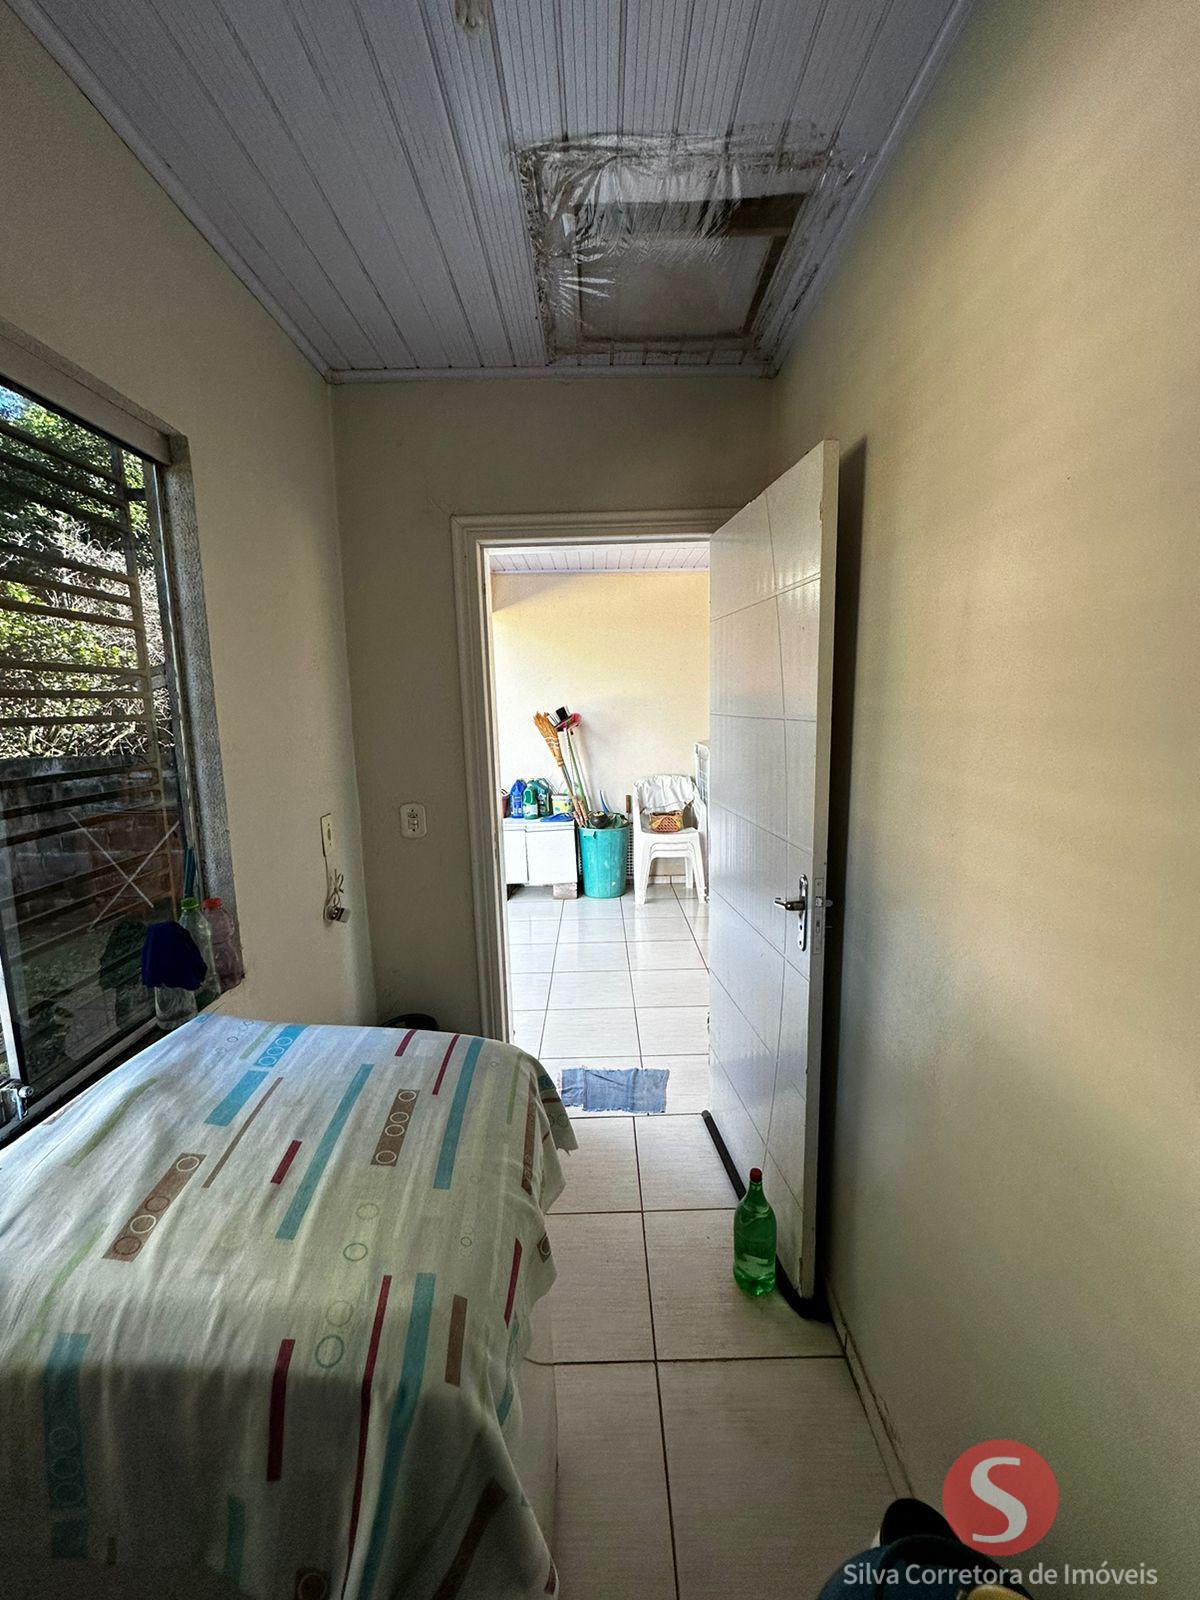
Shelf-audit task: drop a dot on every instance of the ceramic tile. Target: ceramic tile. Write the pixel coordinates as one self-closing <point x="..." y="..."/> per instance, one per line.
<point x="524" y="958"/>
<point x="603" y="1031"/>
<point x="533" y="930"/>
<point x="668" y="906"/>
<point x="699" y="1311"/>
<point x="587" y="990"/>
<point x="525" y="1030"/>
<point x="751" y="867"/>
<point x="688" y="988"/>
<point x="750" y="969"/>
<point x="640" y="930"/>
<point x="612" y="1532"/>
<point x="601" y="1300"/>
<point x="529" y="991"/>
<point x="656" y="894"/>
<point x="591" y="909"/>
<point x="543" y="910"/>
<point x="679" y="1165"/>
<point x="673" y="1030"/>
<point x="589" y="930"/>
<point x="687" y="1085"/>
<point x="603" y="956"/>
<point x="602" y="1175"/>
<point x="660" y="955"/>
<point x="800" y="1485"/>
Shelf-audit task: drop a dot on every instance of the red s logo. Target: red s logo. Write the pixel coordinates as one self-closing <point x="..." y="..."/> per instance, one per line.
<point x="1000" y="1497"/>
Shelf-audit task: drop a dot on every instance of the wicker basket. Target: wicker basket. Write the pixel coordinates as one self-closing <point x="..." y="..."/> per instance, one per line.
<point x="665" y="821"/>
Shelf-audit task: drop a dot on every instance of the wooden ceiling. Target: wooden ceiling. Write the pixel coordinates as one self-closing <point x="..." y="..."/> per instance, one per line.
<point x="354" y="161"/>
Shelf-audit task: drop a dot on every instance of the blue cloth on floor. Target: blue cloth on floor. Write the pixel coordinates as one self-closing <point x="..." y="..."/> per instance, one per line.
<point x="642" y="1089"/>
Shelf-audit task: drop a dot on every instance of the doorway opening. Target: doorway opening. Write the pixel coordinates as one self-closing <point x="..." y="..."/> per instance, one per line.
<point x="593" y="957"/>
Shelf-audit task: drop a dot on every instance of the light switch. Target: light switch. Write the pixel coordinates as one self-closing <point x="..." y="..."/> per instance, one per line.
<point x="327" y="836"/>
<point x="412" y="820"/>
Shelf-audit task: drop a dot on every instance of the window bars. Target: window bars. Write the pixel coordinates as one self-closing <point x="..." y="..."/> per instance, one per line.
<point x="94" y="809"/>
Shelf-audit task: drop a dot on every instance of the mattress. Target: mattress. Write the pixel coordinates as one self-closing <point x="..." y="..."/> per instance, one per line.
<point x="266" y="1294"/>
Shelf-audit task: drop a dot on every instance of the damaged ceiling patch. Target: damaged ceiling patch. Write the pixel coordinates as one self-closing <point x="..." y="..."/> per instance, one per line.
<point x="665" y="248"/>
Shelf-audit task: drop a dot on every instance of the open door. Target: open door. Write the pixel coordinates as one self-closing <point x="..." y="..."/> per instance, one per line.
<point x="772" y="594"/>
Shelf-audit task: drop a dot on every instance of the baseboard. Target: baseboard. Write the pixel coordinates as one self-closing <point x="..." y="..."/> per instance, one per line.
<point x="877" y="1416"/>
<point x="812" y="1310"/>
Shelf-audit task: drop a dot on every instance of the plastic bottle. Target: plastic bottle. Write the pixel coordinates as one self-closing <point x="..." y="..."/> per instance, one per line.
<point x="173" y="1007"/>
<point x="516" y="800"/>
<point x="227" y="947"/>
<point x="194" y="920"/>
<point x="754" y="1239"/>
<point x="531" y="801"/>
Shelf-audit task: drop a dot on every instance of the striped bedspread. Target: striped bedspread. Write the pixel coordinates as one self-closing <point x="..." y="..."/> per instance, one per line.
<point x="264" y="1291"/>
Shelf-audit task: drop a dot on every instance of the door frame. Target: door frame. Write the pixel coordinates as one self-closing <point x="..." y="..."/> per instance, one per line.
<point x="473" y="537"/>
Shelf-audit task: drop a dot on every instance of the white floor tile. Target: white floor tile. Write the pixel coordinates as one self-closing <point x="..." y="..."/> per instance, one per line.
<point x="687" y="1085"/>
<point x="689" y="988"/>
<point x="524" y="958"/>
<point x="602" y="1174"/>
<point x="638" y="930"/>
<point x="656" y="894"/>
<point x="542" y="910"/>
<point x="587" y="990"/>
<point x="699" y="1311"/>
<point x="679" y="1166"/>
<point x="655" y="911"/>
<point x="583" y="907"/>
<point x="525" y="1030"/>
<point x="674" y="1030"/>
<point x="612" y="1534"/>
<point x="799" y="1485"/>
<point x="660" y="955"/>
<point x="601" y="1301"/>
<point x="529" y="991"/>
<point x="609" y="956"/>
<point x="532" y="930"/>
<point x="602" y="1032"/>
<point x="588" y="930"/>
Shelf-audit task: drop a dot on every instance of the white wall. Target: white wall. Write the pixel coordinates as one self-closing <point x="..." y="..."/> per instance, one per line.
<point x="99" y="265"/>
<point x="1010" y="356"/>
<point x="410" y="455"/>
<point x="627" y="650"/>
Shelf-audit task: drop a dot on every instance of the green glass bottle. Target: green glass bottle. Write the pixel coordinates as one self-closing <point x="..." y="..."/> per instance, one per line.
<point x="754" y="1239"/>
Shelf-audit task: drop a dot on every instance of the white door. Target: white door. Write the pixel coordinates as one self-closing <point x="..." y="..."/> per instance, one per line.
<point x="772" y="578"/>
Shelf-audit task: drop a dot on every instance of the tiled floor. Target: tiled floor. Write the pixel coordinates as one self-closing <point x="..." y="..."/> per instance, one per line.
<point x="709" y="1445"/>
<point x="611" y="984"/>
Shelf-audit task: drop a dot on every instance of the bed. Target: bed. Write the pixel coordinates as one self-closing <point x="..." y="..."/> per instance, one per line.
<point x="267" y="1307"/>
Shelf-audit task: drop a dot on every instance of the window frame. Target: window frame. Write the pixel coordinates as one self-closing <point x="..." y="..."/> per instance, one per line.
<point x="31" y="368"/>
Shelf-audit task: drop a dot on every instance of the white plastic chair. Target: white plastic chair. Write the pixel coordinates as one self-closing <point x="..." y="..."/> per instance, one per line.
<point x="667" y="792"/>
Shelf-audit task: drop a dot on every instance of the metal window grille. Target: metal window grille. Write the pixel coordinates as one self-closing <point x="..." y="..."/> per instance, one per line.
<point x="94" y="800"/>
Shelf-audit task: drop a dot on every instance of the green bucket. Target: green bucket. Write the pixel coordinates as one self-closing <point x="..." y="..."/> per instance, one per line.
<point x="604" y="852"/>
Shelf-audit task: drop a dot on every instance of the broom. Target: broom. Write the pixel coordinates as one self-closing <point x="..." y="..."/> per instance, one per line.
<point x="546" y="728"/>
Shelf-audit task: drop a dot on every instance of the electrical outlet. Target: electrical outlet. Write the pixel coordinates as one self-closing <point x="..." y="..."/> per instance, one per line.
<point x="412" y="820"/>
<point x="327" y="836"/>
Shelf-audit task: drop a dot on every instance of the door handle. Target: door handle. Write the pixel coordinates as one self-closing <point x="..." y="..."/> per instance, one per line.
<point x="800" y="905"/>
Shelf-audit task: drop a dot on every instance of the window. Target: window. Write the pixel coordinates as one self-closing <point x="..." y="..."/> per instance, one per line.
<point x="98" y="828"/>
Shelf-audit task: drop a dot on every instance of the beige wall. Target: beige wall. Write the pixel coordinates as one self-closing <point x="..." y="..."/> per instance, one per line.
<point x="1010" y="356"/>
<point x="627" y="650"/>
<point x="411" y="455"/>
<point x="98" y="264"/>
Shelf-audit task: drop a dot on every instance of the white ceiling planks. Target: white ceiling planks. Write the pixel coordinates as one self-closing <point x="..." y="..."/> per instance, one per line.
<point x="353" y="160"/>
<point x="645" y="555"/>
